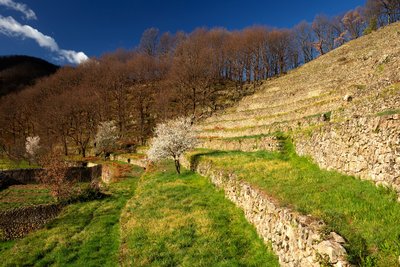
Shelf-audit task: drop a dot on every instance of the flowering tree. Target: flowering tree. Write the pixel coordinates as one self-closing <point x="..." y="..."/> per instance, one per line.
<point x="32" y="146"/>
<point x="171" y="140"/>
<point x="106" y="137"/>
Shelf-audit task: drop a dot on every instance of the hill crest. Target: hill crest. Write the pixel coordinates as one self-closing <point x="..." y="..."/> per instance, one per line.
<point x="19" y="71"/>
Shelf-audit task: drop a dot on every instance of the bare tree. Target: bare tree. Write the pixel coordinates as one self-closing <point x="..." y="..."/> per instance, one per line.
<point x="149" y="41"/>
<point x="354" y="22"/>
<point x="167" y="44"/>
<point x="83" y="118"/>
<point x="326" y="30"/>
<point x="193" y="73"/>
<point x="305" y="39"/>
<point x="382" y="12"/>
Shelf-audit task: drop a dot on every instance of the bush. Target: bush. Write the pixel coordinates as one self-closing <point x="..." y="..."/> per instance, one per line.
<point x="372" y="26"/>
<point x="54" y="176"/>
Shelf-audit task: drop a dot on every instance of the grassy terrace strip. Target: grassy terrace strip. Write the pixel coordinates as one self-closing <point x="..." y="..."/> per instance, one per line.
<point x="389" y="112"/>
<point x="180" y="220"/>
<point x="17" y="196"/>
<point x="258" y="136"/>
<point x="85" y="233"/>
<point x="367" y="216"/>
<point x="7" y="164"/>
<point x="274" y="115"/>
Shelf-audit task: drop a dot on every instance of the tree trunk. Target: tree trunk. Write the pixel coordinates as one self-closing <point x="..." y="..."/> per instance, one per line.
<point x="178" y="166"/>
<point x="83" y="149"/>
<point x="194" y="101"/>
<point x="65" y="147"/>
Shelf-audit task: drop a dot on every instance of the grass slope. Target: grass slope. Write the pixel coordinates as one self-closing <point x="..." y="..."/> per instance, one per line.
<point x="180" y="220"/>
<point x="85" y="234"/>
<point x="17" y="196"/>
<point x="367" y="216"/>
<point x="7" y="164"/>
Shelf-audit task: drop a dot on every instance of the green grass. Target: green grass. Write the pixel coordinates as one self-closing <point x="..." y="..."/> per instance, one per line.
<point x="388" y="112"/>
<point x="318" y="115"/>
<point x="8" y="164"/>
<point x="84" y="234"/>
<point x="181" y="220"/>
<point x="17" y="196"/>
<point x="24" y="195"/>
<point x="258" y="136"/>
<point x="367" y="216"/>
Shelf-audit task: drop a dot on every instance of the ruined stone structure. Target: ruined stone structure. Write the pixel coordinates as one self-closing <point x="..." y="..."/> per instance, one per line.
<point x="29" y="176"/>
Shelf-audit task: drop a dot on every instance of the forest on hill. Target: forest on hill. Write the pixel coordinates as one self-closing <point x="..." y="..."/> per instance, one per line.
<point x="169" y="75"/>
<point x="18" y="72"/>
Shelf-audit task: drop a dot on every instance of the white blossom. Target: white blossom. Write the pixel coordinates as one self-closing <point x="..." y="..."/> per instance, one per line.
<point x="171" y="140"/>
<point x="106" y="136"/>
<point x="32" y="145"/>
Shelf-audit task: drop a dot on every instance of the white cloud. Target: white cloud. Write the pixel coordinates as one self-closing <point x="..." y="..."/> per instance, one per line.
<point x="10" y="27"/>
<point x="29" y="14"/>
<point x="73" y="56"/>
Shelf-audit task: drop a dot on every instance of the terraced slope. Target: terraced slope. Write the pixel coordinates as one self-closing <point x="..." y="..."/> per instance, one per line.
<point x="157" y="218"/>
<point x="362" y="69"/>
<point x="180" y="220"/>
<point x="364" y="215"/>
<point x="84" y="234"/>
<point x="343" y="111"/>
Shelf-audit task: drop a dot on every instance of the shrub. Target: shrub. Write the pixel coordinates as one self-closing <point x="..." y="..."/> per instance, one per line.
<point x="54" y="176"/>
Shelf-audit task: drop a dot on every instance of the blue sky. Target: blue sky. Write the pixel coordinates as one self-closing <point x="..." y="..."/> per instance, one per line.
<point x="96" y="27"/>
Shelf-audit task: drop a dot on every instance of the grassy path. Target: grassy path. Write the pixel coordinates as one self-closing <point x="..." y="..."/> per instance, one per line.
<point x="181" y="220"/>
<point x="367" y="216"/>
<point x="85" y="234"/>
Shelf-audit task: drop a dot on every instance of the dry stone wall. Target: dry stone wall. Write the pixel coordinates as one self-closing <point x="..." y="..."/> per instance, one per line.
<point x="367" y="147"/>
<point x="298" y="240"/>
<point x="17" y="223"/>
<point x="141" y="162"/>
<point x="269" y="143"/>
<point x="21" y="176"/>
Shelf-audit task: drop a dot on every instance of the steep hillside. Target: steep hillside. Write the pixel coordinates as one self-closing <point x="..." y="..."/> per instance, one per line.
<point x="16" y="72"/>
<point x="342" y="111"/>
<point x="363" y="69"/>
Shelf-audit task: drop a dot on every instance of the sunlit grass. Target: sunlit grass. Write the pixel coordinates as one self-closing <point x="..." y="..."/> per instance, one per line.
<point x="8" y="164"/>
<point x="181" y="220"/>
<point x="389" y="112"/>
<point x="367" y="216"/>
<point x="17" y="196"/>
<point x="85" y="233"/>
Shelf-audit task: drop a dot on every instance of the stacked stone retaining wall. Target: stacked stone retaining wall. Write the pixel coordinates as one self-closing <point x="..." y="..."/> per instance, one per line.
<point x="297" y="239"/>
<point x="367" y="147"/>
<point x="17" y="223"/>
